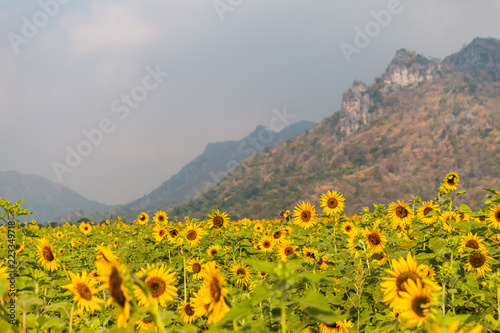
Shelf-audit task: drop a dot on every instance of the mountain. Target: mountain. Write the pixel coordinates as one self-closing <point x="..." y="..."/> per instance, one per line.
<point x="395" y="138"/>
<point x="206" y="170"/>
<point x="44" y="198"/>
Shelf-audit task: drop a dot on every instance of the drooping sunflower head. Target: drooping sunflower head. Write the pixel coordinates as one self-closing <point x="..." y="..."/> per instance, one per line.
<point x="46" y="255"/>
<point x="446" y="217"/>
<point x="218" y="219"/>
<point x="304" y="215"/>
<point x="160" y="217"/>
<point x="310" y="254"/>
<point x="451" y="181"/>
<point x="113" y="278"/>
<point x="172" y="234"/>
<point x="146" y="324"/>
<point x="19" y="247"/>
<point x="332" y="203"/>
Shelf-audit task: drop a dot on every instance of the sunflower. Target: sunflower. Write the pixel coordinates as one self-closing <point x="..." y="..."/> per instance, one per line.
<point x="379" y="258"/>
<point x="86" y="228"/>
<point x="266" y="244"/>
<point x="375" y="240"/>
<point x="159" y="232"/>
<point x="60" y="251"/>
<point x="348" y="227"/>
<point x="19" y="247"/>
<point x="242" y="272"/>
<point x="355" y="242"/>
<point x="414" y="303"/>
<point x="195" y="265"/>
<point x="146" y="323"/>
<point x="494" y="217"/>
<point x="59" y="234"/>
<point x="323" y="262"/>
<point x="258" y="228"/>
<point x="82" y="287"/>
<point x="160" y="217"/>
<point x="310" y="254"/>
<point x="46" y="255"/>
<point x="77" y="315"/>
<point x="451" y="181"/>
<point x="112" y="276"/>
<point x="403" y="271"/>
<point x="104" y="256"/>
<point x="143" y="218"/>
<point x="159" y="281"/>
<point x="447" y="216"/>
<point x="172" y="235"/>
<point x="479" y="261"/>
<point x="472" y="242"/>
<point x="427" y="207"/>
<point x="304" y="215"/>
<point x="187" y="312"/>
<point x="285" y="250"/>
<point x="278" y="236"/>
<point x="337" y="327"/>
<point x="214" y="250"/>
<point x="261" y="274"/>
<point x="332" y="203"/>
<point x="219" y="219"/>
<point x="400" y="213"/>
<point x="193" y="234"/>
<point x="209" y="300"/>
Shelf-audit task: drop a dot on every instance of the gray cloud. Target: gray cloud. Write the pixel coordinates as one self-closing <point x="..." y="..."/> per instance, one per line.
<point x="225" y="77"/>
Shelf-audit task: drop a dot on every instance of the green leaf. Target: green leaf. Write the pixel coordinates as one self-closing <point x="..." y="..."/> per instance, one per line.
<point x="263" y="266"/>
<point x="465" y="208"/>
<point x="237" y="312"/>
<point x="436" y="244"/>
<point x="461" y="192"/>
<point x="492" y="190"/>
<point x="328" y="318"/>
<point x="260" y="293"/>
<point x="315" y="300"/>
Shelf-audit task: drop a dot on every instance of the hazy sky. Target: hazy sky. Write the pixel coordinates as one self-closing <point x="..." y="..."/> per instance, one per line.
<point x="140" y="87"/>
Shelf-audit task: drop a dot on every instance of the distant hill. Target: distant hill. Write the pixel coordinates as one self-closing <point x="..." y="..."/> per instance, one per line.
<point x="206" y="170"/>
<point x="395" y="138"/>
<point x="46" y="199"/>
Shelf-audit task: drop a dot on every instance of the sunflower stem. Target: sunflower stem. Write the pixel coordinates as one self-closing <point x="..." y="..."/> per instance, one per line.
<point x="283" y="309"/>
<point x="71" y="318"/>
<point x="498" y="302"/>
<point x="443" y="305"/>
<point x="184" y="272"/>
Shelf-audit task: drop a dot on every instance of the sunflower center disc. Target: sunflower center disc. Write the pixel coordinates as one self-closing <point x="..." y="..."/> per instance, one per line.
<point x="115" y="287"/>
<point x="497" y="216"/>
<point x="218" y="221"/>
<point x="403" y="277"/>
<point x="213" y="252"/>
<point x="241" y="271"/>
<point x="306" y="216"/>
<point x="156" y="286"/>
<point x="266" y="244"/>
<point x="161" y="233"/>
<point x="427" y="210"/>
<point x="173" y="233"/>
<point x="334" y="325"/>
<point x="374" y="239"/>
<point x="418" y="303"/>
<point x="189" y="310"/>
<point x="215" y="290"/>
<point x="332" y="203"/>
<point x="471" y="243"/>
<point x="84" y="291"/>
<point x="401" y="212"/>
<point x="277" y="234"/>
<point x="288" y="250"/>
<point x="192" y="235"/>
<point x="47" y="253"/>
<point x="477" y="260"/>
<point x="196" y="267"/>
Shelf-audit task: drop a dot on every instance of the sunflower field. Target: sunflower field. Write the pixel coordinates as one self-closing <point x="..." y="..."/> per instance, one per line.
<point x="414" y="266"/>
